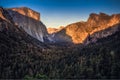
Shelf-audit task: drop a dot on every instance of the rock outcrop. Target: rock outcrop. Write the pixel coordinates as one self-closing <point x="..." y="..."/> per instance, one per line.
<point x="29" y="20"/>
<point x="78" y="32"/>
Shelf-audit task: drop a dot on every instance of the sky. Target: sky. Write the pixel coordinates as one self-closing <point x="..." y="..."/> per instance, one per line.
<point x="56" y="13"/>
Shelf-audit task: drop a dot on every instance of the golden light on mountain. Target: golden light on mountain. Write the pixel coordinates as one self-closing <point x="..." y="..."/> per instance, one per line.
<point x="79" y="31"/>
<point x="27" y="12"/>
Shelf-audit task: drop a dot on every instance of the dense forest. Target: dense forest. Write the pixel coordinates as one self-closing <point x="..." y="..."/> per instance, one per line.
<point x="20" y="58"/>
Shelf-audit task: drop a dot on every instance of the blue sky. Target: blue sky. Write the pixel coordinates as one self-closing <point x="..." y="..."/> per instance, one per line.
<point x="55" y="13"/>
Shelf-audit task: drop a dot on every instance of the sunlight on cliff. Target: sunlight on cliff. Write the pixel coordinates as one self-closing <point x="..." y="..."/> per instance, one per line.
<point x="27" y="12"/>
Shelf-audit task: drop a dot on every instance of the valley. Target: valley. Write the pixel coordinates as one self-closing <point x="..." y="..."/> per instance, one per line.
<point x="82" y="50"/>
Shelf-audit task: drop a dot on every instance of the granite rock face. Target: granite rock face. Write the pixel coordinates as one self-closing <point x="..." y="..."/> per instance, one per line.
<point x="78" y="32"/>
<point x="29" y="20"/>
<point x="27" y="12"/>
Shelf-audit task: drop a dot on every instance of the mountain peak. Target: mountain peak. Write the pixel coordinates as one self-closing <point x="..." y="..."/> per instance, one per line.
<point x="93" y="14"/>
<point x="100" y="14"/>
<point x="103" y="14"/>
<point x="27" y="12"/>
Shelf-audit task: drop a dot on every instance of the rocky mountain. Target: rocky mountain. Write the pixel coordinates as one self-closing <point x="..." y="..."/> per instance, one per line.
<point x="78" y="32"/>
<point x="29" y="20"/>
<point x="9" y="31"/>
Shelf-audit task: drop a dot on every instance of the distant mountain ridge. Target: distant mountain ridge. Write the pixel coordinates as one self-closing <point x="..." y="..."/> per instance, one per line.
<point x="78" y="32"/>
<point x="54" y="30"/>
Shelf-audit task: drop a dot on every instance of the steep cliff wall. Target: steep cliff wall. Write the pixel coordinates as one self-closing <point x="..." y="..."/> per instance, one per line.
<point x="29" y="21"/>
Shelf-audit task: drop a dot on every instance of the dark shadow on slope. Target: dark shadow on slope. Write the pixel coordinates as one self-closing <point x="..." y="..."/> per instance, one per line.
<point x="62" y="39"/>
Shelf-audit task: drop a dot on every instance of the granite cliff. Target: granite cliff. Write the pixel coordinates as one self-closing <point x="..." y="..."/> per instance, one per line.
<point x="78" y="32"/>
<point x="12" y="34"/>
<point x="29" y="20"/>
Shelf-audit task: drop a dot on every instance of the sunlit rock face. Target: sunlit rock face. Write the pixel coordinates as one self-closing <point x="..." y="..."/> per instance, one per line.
<point x="29" y="20"/>
<point x="27" y="12"/>
<point x="78" y="32"/>
<point x="97" y="22"/>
